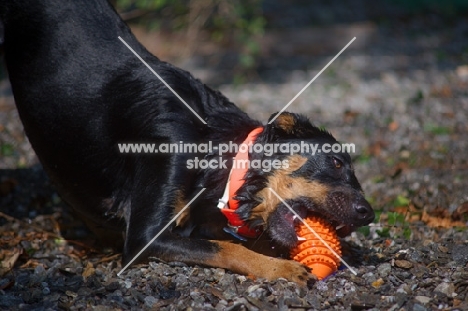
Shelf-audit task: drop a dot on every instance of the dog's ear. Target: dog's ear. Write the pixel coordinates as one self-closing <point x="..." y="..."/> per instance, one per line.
<point x="282" y="126"/>
<point x="293" y="126"/>
<point x="285" y="122"/>
<point x="288" y="125"/>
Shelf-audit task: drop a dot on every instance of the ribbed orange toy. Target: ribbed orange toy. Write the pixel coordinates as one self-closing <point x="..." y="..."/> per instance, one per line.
<point x="312" y="252"/>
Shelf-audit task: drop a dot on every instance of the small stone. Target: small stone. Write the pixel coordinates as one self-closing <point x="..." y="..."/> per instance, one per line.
<point x="460" y="254"/>
<point x="384" y="269"/>
<point x="446" y="289"/>
<point x="219" y="273"/>
<point x="112" y="286"/>
<point x="416" y="256"/>
<point x="137" y="296"/>
<point x="222" y="304"/>
<point x="39" y="270"/>
<point x="226" y="280"/>
<point x="405" y="264"/>
<point x="418" y="307"/>
<point x="369" y="277"/>
<point x="322" y="286"/>
<point x="241" y="278"/>
<point x="128" y="284"/>
<point x="150" y="301"/>
<point x="442" y="249"/>
<point x="388" y="299"/>
<point x="422" y="299"/>
<point x="252" y="288"/>
<point x="404" y="289"/>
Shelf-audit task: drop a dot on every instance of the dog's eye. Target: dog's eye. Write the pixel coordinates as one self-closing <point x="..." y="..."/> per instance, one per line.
<point x="337" y="163"/>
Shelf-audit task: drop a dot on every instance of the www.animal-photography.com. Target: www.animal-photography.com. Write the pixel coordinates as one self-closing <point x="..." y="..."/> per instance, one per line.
<point x="233" y="155"/>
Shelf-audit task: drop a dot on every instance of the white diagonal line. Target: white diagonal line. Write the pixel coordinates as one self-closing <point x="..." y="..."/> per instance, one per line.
<point x="307" y="85"/>
<point x="159" y="77"/>
<point x="313" y="231"/>
<point x="160" y="232"/>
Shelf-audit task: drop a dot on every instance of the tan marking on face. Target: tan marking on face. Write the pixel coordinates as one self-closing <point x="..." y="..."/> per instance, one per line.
<point x="178" y="206"/>
<point x="286" y="122"/>
<point x="288" y="187"/>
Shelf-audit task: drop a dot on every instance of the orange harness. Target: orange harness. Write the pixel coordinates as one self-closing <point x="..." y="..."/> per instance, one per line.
<point x="228" y="205"/>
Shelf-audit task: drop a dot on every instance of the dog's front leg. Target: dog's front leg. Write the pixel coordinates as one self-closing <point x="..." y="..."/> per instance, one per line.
<point x="221" y="254"/>
<point x="241" y="260"/>
<point x="145" y="223"/>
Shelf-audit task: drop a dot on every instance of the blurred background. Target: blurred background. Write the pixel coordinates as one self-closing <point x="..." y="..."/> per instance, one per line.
<point x="399" y="92"/>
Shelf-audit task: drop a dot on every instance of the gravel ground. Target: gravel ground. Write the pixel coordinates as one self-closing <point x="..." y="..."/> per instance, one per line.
<point x="399" y="93"/>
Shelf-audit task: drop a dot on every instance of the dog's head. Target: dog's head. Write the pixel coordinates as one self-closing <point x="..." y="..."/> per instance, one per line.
<point x="319" y="180"/>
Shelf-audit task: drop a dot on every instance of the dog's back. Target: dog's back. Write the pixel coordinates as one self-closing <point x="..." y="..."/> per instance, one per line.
<point x="73" y="81"/>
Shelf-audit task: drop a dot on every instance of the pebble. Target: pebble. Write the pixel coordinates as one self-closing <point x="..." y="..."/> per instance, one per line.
<point x="128" y="284"/>
<point x="369" y="277"/>
<point x="405" y="264"/>
<point x="404" y="289"/>
<point x="384" y="269"/>
<point x="150" y="301"/>
<point x="422" y="299"/>
<point x="418" y="307"/>
<point x="321" y="286"/>
<point x="40" y="271"/>
<point x="446" y="289"/>
<point x="460" y="254"/>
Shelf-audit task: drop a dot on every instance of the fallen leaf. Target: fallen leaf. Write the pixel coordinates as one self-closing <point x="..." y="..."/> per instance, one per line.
<point x="461" y="213"/>
<point x="444" y="91"/>
<point x="215" y="292"/>
<point x="9" y="259"/>
<point x="393" y="126"/>
<point x="88" y="271"/>
<point x="442" y="248"/>
<point x="405" y="264"/>
<point x="31" y="263"/>
<point x="437" y="221"/>
<point x="378" y="283"/>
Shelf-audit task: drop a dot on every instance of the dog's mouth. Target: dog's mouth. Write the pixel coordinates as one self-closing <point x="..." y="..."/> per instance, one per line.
<point x="341" y="228"/>
<point x="343" y="215"/>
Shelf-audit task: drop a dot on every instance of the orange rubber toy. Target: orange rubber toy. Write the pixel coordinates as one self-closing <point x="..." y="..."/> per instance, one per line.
<point x="312" y="252"/>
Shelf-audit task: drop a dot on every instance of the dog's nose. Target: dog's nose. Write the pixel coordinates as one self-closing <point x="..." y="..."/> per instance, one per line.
<point x="364" y="212"/>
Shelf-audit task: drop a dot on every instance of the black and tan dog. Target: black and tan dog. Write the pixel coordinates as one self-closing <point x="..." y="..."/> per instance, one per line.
<point x="80" y="92"/>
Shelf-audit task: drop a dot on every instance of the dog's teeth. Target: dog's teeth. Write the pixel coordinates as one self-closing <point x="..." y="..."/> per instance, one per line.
<point x="300" y="238"/>
<point x="294" y="217"/>
<point x="339" y="227"/>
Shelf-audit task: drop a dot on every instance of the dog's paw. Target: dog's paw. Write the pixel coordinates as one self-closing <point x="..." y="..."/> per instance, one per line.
<point x="290" y="270"/>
